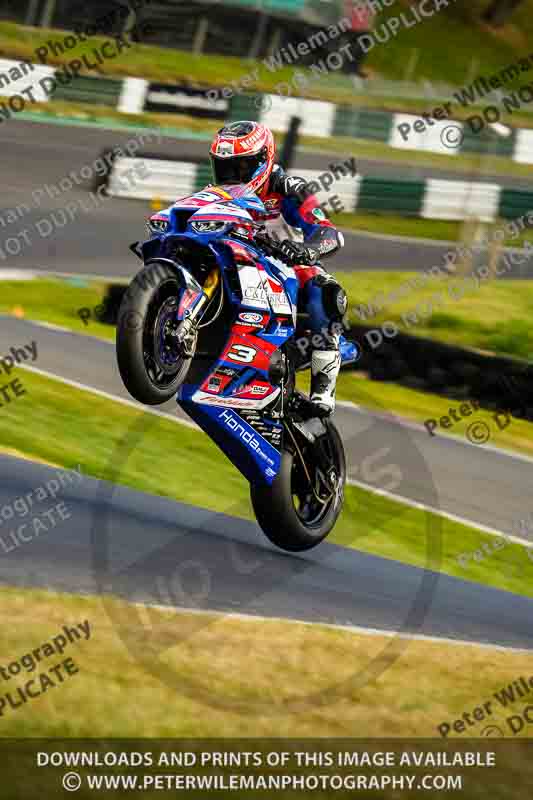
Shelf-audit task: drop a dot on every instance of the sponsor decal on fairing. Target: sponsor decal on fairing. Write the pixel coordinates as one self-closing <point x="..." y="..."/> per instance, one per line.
<point x="213" y="400"/>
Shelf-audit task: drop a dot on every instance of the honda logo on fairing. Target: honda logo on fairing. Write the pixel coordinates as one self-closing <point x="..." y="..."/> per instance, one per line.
<point x="243" y="434"/>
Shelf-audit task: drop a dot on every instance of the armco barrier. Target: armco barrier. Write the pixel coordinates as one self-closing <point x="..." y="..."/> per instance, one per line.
<point x="460" y="200"/>
<point x="320" y="118"/>
<point x="431" y="198"/>
<point x="405" y="197"/>
<point x="362" y="124"/>
<point x="85" y="89"/>
<point x="514" y="203"/>
<point x="382" y="126"/>
<point x="166" y="179"/>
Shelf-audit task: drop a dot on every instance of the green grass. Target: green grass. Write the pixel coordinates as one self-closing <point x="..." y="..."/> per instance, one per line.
<point x="434" y="40"/>
<point x="474" y="321"/>
<point x="437" y="229"/>
<point x="171" y="124"/>
<point x="421" y="406"/>
<point x="66" y="426"/>
<point x="166" y="674"/>
<point x="495" y="318"/>
<point x="492" y="51"/>
<point x="56" y="301"/>
<point x="396" y="225"/>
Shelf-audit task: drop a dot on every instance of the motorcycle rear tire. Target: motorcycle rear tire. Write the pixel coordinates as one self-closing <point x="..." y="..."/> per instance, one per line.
<point x="275" y="510"/>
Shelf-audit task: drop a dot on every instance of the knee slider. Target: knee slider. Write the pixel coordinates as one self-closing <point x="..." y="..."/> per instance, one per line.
<point x="334" y="297"/>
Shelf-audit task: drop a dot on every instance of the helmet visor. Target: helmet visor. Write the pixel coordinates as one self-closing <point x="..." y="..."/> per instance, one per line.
<point x="239" y="169"/>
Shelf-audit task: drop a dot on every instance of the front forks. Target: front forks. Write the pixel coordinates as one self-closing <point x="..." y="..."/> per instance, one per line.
<point x="187" y="331"/>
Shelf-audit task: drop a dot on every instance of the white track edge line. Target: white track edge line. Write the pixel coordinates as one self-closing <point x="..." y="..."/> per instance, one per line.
<point x="109" y="396"/>
<point x="335" y="626"/>
<point x="351" y="481"/>
<point x="58" y="328"/>
<point x="419" y="427"/>
<point x="440" y="513"/>
<point x="347" y="404"/>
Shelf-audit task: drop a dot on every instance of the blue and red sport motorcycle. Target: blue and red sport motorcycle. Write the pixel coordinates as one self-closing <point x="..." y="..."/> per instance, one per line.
<point x="213" y="317"/>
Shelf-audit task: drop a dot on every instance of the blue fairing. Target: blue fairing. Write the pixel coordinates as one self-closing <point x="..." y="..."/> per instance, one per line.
<point x="251" y="453"/>
<point x="232" y="401"/>
<point x="254" y="443"/>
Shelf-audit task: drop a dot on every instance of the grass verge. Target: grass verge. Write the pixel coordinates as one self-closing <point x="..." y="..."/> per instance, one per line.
<point x="62" y="425"/>
<point x="170" y="124"/>
<point x="437" y="229"/>
<point x="58" y="301"/>
<point x="511" y="434"/>
<point x="494" y="317"/>
<point x="251" y="670"/>
<point x="493" y="49"/>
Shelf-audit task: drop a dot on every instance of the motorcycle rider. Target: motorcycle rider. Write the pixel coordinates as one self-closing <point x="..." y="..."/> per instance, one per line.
<point x="243" y="152"/>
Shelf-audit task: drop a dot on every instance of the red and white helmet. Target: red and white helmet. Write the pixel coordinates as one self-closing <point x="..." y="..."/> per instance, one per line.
<point x="243" y="152"/>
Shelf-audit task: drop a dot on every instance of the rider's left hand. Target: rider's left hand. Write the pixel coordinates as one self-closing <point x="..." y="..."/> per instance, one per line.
<point x="298" y="253"/>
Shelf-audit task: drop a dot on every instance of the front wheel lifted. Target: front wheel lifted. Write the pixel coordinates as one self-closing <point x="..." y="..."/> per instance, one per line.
<point x="153" y="362"/>
<point x="301" y="506"/>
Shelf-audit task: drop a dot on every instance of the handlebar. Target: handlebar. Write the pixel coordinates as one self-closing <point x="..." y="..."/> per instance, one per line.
<point x="268" y="243"/>
<point x="273" y="247"/>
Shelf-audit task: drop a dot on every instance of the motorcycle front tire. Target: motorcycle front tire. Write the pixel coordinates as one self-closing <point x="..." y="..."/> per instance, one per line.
<point x="151" y="286"/>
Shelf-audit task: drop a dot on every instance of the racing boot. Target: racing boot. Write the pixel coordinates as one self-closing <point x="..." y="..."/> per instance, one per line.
<point x="325" y="366"/>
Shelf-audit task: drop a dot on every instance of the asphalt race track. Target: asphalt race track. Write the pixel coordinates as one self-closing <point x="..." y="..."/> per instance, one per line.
<point x="150" y="537"/>
<point x="96" y="242"/>
<point x="482" y="485"/>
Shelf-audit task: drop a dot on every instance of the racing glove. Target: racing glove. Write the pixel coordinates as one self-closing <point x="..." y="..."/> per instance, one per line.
<point x="298" y="253"/>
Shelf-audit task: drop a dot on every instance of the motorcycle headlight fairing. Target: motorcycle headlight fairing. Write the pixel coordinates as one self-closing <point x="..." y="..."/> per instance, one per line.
<point x="208" y="226"/>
